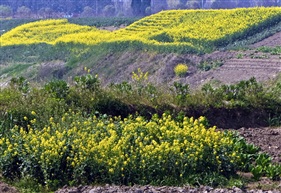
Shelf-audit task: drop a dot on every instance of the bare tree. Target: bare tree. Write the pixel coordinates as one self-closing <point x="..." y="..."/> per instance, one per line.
<point x="24" y="11"/>
<point x="87" y="11"/>
<point x="5" y="11"/>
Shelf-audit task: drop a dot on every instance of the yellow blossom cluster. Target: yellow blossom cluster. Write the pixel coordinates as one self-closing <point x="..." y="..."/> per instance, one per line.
<point x="42" y="31"/>
<point x="115" y="149"/>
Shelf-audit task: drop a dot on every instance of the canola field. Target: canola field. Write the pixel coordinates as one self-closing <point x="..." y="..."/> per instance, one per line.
<point x="114" y="150"/>
<point x="173" y="30"/>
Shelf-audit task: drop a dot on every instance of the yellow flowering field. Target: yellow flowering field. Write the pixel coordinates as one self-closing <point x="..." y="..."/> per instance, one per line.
<point x="115" y="150"/>
<point x="43" y="31"/>
<point x="173" y="30"/>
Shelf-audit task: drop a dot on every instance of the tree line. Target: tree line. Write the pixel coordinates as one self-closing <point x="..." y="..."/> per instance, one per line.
<point x="89" y="8"/>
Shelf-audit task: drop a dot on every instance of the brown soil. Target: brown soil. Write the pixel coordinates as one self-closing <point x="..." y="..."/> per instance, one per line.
<point x="5" y="188"/>
<point x="268" y="139"/>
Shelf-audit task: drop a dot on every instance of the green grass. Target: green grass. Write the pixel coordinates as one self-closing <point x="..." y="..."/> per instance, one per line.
<point x="14" y="70"/>
<point x="104" y="21"/>
<point x="8" y="24"/>
<point x="247" y="42"/>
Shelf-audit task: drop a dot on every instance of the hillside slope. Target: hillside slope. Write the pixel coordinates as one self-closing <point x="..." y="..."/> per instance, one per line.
<point x="114" y="55"/>
<point x="182" y="31"/>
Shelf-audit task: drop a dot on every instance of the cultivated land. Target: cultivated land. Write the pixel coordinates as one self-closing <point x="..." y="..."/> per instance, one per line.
<point x="261" y="59"/>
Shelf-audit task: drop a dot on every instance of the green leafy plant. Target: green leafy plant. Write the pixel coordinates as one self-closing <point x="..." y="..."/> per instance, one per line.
<point x="260" y="167"/>
<point x="21" y="84"/>
<point x="88" y="82"/>
<point x="257" y="172"/>
<point x="239" y="56"/>
<point x="273" y="171"/>
<point x="182" y="92"/>
<point x="58" y="88"/>
<point x="208" y="65"/>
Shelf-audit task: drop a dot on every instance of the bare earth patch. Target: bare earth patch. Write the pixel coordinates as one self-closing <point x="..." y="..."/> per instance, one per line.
<point x="268" y="139"/>
<point x="5" y="188"/>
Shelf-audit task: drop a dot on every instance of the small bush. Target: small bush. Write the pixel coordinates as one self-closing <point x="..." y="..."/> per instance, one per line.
<point x="181" y="69"/>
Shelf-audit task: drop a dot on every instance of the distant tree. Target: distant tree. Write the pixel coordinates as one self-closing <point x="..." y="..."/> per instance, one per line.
<point x="244" y="3"/>
<point x="148" y="11"/>
<point x="5" y="11"/>
<point x="222" y="4"/>
<point x="45" y="12"/>
<point x="41" y="13"/>
<point x="182" y="4"/>
<point x="139" y="7"/>
<point x="193" y="4"/>
<point x="49" y="12"/>
<point x="100" y="4"/>
<point x="109" y="11"/>
<point x="158" y="5"/>
<point x="136" y="7"/>
<point x="87" y="11"/>
<point x="173" y="4"/>
<point x="144" y="5"/>
<point x="269" y="3"/>
<point x="24" y="11"/>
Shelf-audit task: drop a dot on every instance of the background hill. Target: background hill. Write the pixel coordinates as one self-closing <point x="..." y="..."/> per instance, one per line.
<point x="46" y="49"/>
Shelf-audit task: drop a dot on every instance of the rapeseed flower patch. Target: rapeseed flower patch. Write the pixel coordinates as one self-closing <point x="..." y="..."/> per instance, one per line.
<point x="115" y="150"/>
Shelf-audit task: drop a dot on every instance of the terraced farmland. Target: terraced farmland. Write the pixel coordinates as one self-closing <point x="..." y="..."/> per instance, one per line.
<point x="184" y="31"/>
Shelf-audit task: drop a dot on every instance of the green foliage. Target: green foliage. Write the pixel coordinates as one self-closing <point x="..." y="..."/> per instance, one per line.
<point x="260" y="167"/>
<point x="34" y="53"/>
<point x="272" y="50"/>
<point x="104" y="21"/>
<point x="87" y="82"/>
<point x="181" y="92"/>
<point x="29" y="185"/>
<point x="9" y="24"/>
<point x="257" y="172"/>
<point x="57" y="88"/>
<point x="208" y="65"/>
<point x="273" y="171"/>
<point x="20" y="84"/>
<point x="243" y="94"/>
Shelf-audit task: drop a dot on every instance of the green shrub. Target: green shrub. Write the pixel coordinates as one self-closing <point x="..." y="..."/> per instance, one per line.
<point x="57" y="88"/>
